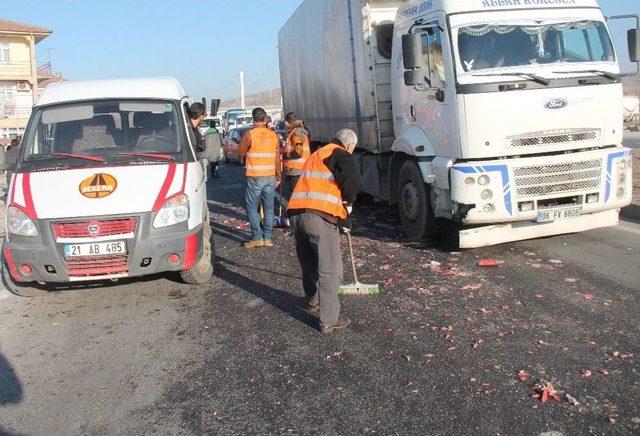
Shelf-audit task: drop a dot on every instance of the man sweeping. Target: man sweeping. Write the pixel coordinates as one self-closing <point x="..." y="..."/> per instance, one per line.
<point x="319" y="207"/>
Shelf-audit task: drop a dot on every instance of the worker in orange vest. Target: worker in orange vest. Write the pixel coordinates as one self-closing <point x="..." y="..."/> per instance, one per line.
<point x="296" y="151"/>
<point x="261" y="148"/>
<point x="319" y="208"/>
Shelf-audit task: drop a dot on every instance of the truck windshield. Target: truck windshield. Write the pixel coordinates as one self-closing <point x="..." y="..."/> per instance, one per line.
<point x="490" y="46"/>
<point x="110" y="131"/>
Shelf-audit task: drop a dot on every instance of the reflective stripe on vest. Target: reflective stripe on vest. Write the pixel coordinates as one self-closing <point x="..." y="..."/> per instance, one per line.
<point x="261" y="157"/>
<point x="317" y="188"/>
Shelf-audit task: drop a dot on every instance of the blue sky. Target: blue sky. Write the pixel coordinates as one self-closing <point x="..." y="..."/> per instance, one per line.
<point x="202" y="43"/>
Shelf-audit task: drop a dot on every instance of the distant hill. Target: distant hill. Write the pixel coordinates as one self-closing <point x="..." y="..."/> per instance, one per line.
<point x="273" y="97"/>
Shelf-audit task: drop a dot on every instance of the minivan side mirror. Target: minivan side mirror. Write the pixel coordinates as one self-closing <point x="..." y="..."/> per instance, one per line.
<point x="633" y="40"/>
<point x="412" y="51"/>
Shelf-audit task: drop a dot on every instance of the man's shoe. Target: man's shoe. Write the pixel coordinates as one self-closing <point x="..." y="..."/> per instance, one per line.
<point x="267" y="243"/>
<point x="338" y="325"/>
<point x="253" y="244"/>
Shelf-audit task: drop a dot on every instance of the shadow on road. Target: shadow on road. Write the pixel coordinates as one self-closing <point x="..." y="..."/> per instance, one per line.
<point x="281" y="300"/>
<point x="10" y="387"/>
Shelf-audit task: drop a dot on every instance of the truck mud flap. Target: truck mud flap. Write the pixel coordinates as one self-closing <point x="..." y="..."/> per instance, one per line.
<point x="519" y="231"/>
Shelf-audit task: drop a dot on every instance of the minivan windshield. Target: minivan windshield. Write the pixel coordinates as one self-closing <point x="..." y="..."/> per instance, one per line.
<point x="109" y="131"/>
<point x="487" y="46"/>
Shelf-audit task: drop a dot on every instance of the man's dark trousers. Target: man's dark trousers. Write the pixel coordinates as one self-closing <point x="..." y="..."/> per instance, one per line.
<point x="318" y="250"/>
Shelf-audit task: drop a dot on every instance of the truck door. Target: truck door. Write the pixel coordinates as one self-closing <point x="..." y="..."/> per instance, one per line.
<point x="432" y="104"/>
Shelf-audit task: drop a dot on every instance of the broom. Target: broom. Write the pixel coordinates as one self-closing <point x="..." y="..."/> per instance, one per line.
<point x="356" y="288"/>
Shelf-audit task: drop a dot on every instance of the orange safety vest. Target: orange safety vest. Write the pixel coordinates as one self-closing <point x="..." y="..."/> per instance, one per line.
<point x="317" y="188"/>
<point x="261" y="157"/>
<point x="297" y="144"/>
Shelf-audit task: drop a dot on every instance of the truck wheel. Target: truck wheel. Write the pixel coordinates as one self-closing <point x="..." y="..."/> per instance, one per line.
<point x="414" y="203"/>
<point x="203" y="269"/>
<point x="19" y="289"/>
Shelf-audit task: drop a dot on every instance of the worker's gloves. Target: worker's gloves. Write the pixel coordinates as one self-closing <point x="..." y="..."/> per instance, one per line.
<point x="345" y="230"/>
<point x="349" y="209"/>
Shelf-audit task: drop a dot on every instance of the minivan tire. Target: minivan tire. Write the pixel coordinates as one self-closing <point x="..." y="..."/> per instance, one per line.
<point x="202" y="271"/>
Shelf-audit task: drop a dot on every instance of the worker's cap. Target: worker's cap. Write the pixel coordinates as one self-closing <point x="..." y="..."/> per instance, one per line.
<point x="347" y="137"/>
<point x="259" y="114"/>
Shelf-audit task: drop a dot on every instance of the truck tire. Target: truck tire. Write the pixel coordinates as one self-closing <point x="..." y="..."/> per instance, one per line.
<point x="19" y="289"/>
<point x="203" y="269"/>
<point x="414" y="203"/>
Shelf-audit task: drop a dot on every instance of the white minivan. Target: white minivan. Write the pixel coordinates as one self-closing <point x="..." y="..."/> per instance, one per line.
<point x="107" y="185"/>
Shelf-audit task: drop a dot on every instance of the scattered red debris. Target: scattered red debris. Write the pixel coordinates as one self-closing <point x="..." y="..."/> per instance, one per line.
<point x="604" y="372"/>
<point x="585" y="373"/>
<point x="471" y="287"/>
<point x="408" y="383"/>
<point x="478" y="343"/>
<point x="588" y="296"/>
<point x="622" y="355"/>
<point x="389" y="330"/>
<point x="523" y="375"/>
<point x="544" y="390"/>
<point x="505" y="307"/>
<point x="389" y="281"/>
<point x="488" y="263"/>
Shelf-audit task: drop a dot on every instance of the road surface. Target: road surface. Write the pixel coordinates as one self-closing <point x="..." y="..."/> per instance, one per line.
<point x="438" y="352"/>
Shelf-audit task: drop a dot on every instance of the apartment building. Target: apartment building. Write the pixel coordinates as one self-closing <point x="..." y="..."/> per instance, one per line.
<point x="18" y="74"/>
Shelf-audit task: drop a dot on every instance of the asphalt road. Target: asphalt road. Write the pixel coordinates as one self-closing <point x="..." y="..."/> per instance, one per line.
<point x="438" y="352"/>
<point x="631" y="139"/>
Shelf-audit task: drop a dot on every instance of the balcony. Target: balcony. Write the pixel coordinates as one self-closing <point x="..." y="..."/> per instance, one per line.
<point x="15" y="69"/>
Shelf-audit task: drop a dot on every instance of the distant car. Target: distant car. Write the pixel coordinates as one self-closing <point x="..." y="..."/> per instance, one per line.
<point x="231" y="143"/>
<point x="243" y="121"/>
<point x="207" y="123"/>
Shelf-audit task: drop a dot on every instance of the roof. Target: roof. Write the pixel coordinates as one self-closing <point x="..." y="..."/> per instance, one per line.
<point x="9" y="26"/>
<point x="162" y="88"/>
<point x="417" y="8"/>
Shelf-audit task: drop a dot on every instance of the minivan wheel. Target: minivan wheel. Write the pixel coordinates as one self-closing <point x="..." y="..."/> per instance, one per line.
<point x="19" y="289"/>
<point x="203" y="269"/>
<point x="414" y="203"/>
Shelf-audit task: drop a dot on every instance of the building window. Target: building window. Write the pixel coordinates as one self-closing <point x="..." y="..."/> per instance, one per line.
<point x="7" y="90"/>
<point x="4" y="52"/>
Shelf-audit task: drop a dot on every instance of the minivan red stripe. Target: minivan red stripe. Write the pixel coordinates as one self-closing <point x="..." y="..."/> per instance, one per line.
<point x="162" y="195"/>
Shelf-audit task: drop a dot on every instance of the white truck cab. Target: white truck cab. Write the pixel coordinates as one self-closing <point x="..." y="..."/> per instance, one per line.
<point x="502" y="115"/>
<point x="107" y="185"/>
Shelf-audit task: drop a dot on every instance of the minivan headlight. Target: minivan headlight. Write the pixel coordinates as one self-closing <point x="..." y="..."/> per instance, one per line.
<point x="18" y="223"/>
<point x="174" y="211"/>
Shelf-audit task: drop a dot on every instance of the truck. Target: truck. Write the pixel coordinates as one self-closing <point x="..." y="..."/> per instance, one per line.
<point x="107" y="185"/>
<point x="501" y="116"/>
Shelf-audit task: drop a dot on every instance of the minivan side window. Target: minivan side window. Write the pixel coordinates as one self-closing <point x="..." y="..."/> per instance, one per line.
<point x="432" y="50"/>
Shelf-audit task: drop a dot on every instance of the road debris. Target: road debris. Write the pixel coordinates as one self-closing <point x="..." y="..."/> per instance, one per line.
<point x="572" y="400"/>
<point x="585" y="373"/>
<point x="488" y="263"/>
<point x="523" y="375"/>
<point x="544" y="390"/>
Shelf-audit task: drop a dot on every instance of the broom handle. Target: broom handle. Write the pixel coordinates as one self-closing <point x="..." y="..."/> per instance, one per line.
<point x="353" y="261"/>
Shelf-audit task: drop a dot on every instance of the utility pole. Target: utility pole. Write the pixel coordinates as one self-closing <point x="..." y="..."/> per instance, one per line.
<point x="242" y="89"/>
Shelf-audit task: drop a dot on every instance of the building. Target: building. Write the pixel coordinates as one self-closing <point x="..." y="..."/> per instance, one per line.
<point x="18" y="74"/>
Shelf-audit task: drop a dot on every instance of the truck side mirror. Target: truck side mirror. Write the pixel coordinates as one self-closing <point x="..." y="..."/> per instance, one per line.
<point x="215" y="105"/>
<point x="633" y="40"/>
<point x="412" y="51"/>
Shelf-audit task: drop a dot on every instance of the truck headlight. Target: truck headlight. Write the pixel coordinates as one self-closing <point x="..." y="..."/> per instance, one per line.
<point x="484" y="180"/>
<point x="18" y="223"/>
<point x="174" y="211"/>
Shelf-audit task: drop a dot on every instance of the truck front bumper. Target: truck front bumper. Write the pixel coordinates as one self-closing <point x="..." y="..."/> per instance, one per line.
<point x="148" y="251"/>
<point x="520" y="189"/>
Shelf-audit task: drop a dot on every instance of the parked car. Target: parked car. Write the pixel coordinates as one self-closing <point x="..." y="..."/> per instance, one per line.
<point x="231" y="143"/>
<point x="243" y="121"/>
<point x="208" y="122"/>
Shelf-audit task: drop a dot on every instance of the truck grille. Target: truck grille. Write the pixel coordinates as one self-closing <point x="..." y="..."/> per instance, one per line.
<point x="557" y="138"/>
<point x="95" y="229"/>
<point x="559" y="178"/>
<point x="97" y="266"/>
